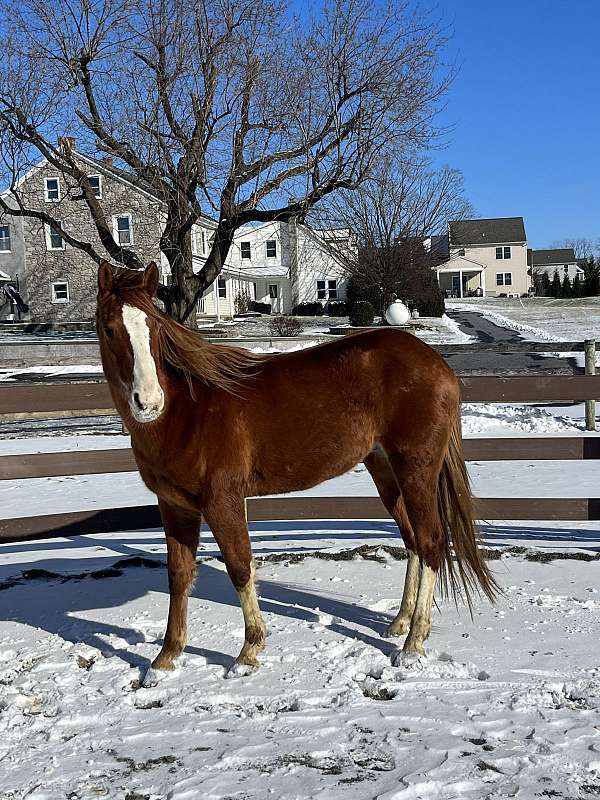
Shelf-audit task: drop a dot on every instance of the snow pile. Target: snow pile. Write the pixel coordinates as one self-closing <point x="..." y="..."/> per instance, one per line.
<point x="501" y="418"/>
<point x="440" y="330"/>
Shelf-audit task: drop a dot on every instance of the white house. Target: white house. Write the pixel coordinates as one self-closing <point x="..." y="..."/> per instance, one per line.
<point x="279" y="264"/>
<point x="561" y="260"/>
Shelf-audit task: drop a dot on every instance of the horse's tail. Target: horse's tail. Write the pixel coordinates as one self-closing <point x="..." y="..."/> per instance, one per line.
<point x="468" y="571"/>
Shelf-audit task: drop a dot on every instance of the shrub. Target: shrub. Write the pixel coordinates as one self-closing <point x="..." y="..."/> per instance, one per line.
<point x="262" y="308"/>
<point x="242" y="302"/>
<point x="361" y="314"/>
<point x="429" y="308"/>
<point x="285" y="326"/>
<point x="337" y="309"/>
<point x="308" y="310"/>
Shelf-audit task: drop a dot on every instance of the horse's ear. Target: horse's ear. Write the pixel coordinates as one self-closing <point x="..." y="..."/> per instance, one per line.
<point x="105" y="277"/>
<point x="151" y="278"/>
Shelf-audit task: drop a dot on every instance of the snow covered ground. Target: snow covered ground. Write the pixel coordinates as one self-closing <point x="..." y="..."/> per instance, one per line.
<point x="540" y="318"/>
<point x="504" y="705"/>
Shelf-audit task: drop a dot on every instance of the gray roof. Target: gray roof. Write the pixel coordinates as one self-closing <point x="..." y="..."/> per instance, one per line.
<point x="545" y="258"/>
<point x="487" y="231"/>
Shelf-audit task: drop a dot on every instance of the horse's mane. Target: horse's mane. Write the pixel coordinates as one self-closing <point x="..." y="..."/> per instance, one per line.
<point x="185" y="350"/>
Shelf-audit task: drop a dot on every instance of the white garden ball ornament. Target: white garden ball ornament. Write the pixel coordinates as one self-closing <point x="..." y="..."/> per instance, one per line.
<point x="397" y="313"/>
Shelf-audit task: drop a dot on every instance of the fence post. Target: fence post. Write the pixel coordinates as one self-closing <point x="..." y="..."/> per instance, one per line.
<point x="590" y="369"/>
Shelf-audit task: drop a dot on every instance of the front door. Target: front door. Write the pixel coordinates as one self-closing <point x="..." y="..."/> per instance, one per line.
<point x="456" y="286"/>
<point x="275" y="298"/>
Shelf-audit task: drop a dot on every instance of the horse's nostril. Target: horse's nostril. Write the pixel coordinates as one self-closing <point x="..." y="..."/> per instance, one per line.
<point x="137" y="401"/>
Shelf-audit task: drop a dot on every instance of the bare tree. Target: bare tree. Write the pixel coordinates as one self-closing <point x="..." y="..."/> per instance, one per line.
<point x="392" y="214"/>
<point x="582" y="247"/>
<point x="233" y="108"/>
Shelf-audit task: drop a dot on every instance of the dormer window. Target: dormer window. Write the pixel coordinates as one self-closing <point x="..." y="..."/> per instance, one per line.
<point x="245" y="249"/>
<point x="52" y="190"/>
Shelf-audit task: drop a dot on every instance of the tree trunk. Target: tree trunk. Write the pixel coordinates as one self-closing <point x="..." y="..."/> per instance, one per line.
<point x="186" y="287"/>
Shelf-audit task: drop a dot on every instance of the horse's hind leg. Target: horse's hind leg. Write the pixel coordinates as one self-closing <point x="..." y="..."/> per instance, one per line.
<point x="418" y="480"/>
<point x="227" y="520"/>
<point x="182" y="532"/>
<point x="380" y="469"/>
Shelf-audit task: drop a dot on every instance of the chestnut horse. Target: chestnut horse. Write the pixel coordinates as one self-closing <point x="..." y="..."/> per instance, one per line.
<point x="212" y="425"/>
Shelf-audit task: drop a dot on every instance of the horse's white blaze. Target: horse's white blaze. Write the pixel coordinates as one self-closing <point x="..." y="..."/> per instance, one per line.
<point x="147" y="397"/>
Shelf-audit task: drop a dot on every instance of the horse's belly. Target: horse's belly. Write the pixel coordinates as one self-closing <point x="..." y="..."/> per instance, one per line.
<point x="297" y="471"/>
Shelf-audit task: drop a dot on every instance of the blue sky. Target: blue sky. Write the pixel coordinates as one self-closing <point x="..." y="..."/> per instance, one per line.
<point x="525" y="111"/>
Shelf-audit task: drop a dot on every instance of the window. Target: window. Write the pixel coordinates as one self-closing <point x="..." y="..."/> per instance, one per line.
<point x="499" y="279"/>
<point x="95" y="182"/>
<point x="503" y="252"/>
<point x="327" y="290"/>
<point x="4" y="239"/>
<point x="566" y="265"/>
<point x="271" y="248"/>
<point x="498" y="253"/>
<point x="54" y="240"/>
<point x="222" y="287"/>
<point x="273" y="291"/>
<point x="461" y="252"/>
<point x="508" y="278"/>
<point x="199" y="242"/>
<point x="60" y="292"/>
<point x="245" y="249"/>
<point x="52" y="190"/>
<point x="507" y="252"/>
<point x="123" y="229"/>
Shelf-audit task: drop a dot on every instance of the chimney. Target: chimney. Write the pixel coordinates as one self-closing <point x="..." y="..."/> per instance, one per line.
<point x="68" y="143"/>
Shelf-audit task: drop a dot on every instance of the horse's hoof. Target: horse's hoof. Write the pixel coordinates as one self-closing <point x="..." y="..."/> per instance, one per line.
<point x="163" y="664"/>
<point x="153" y="677"/>
<point x="240" y="669"/>
<point x="393" y="631"/>
<point x="406" y="658"/>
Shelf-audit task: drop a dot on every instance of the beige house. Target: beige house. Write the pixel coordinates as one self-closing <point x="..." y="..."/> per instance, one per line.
<point x="485" y="257"/>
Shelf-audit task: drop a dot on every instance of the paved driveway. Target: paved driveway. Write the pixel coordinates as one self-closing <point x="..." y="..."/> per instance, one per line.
<point x="475" y="324"/>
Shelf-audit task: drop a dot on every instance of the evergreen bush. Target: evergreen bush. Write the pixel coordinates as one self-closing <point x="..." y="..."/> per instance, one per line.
<point x="361" y="314"/>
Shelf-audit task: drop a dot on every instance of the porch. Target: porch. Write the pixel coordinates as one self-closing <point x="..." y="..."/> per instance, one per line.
<point x="461" y="277"/>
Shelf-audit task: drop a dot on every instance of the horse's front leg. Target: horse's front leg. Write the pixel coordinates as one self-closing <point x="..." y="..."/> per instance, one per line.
<point x="182" y="532"/>
<point x="227" y="520"/>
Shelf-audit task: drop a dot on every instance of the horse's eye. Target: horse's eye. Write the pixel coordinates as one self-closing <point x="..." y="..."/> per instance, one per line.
<point x="109" y="332"/>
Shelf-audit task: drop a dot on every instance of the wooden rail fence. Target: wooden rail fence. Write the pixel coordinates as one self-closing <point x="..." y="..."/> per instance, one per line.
<point x="94" y="398"/>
